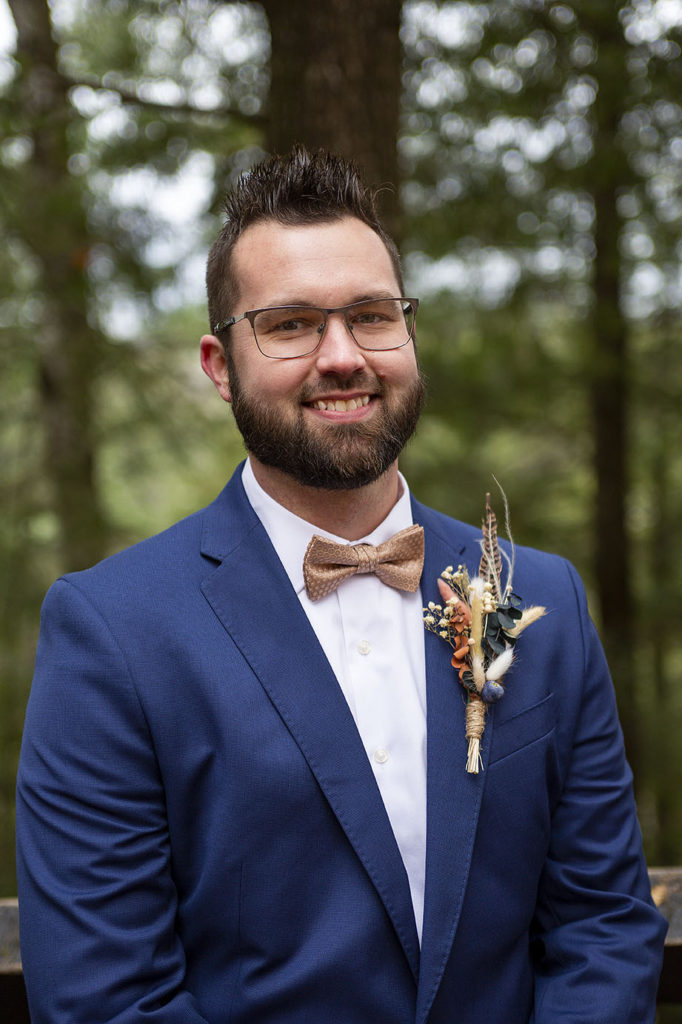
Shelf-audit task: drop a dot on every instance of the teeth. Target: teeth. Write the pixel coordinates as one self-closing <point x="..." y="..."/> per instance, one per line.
<point x="338" y="405"/>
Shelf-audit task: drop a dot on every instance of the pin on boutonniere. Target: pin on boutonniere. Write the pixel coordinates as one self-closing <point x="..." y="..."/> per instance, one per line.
<point x="481" y="620"/>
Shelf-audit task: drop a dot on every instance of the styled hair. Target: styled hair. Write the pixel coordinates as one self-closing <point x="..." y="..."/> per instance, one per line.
<point x="295" y="189"/>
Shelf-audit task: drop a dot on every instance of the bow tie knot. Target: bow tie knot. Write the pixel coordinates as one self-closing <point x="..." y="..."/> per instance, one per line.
<point x="397" y="562"/>
<point x="367" y="557"/>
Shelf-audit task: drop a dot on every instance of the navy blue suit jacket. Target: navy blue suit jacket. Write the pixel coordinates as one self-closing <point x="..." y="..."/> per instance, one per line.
<point x="202" y="841"/>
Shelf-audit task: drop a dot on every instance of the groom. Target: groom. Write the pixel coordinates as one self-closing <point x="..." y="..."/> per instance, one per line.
<point x="242" y="794"/>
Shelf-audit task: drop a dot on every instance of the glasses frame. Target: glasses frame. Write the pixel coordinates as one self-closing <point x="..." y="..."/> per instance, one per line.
<point x="251" y="315"/>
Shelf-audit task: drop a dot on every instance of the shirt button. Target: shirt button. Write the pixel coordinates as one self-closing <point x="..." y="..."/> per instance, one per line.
<point x="364" y="647"/>
<point x="380" y="755"/>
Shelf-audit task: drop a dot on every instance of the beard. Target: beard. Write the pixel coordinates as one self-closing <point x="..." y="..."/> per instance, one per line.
<point x="341" y="456"/>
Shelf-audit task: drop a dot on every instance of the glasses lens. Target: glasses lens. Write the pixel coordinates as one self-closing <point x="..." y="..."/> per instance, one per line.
<point x="381" y="323"/>
<point x="285" y="332"/>
<point x="288" y="331"/>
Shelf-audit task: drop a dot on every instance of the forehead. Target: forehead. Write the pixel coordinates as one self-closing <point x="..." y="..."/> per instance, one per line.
<point x="327" y="263"/>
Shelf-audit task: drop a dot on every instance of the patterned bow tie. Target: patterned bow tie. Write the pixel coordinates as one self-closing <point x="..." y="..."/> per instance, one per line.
<point x="398" y="562"/>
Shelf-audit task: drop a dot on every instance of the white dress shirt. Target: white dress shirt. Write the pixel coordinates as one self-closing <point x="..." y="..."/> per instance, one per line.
<point x="373" y="638"/>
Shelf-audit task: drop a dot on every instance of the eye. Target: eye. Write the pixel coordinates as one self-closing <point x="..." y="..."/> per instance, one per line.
<point x="283" y="324"/>
<point x="367" y="317"/>
<point x="377" y="313"/>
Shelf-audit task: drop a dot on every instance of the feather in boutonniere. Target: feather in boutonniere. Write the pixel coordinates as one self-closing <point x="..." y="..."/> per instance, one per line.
<point x="481" y="618"/>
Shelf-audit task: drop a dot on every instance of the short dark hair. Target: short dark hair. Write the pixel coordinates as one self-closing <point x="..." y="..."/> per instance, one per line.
<point x="298" y="188"/>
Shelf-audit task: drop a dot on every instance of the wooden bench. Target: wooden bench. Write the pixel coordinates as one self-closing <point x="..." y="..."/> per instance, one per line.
<point x="666" y="887"/>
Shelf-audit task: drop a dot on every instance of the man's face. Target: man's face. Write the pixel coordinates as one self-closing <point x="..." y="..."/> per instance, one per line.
<point x="339" y="417"/>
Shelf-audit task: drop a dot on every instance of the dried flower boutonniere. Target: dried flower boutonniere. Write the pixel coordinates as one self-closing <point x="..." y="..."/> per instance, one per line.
<point x="481" y="620"/>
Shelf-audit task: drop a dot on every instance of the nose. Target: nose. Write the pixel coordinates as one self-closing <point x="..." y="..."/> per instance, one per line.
<point x="338" y="351"/>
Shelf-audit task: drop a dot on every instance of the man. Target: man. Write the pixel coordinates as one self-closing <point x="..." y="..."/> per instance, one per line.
<point x="242" y="802"/>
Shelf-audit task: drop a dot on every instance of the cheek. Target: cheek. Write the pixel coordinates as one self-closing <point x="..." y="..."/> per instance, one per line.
<point x="274" y="381"/>
<point x="402" y="367"/>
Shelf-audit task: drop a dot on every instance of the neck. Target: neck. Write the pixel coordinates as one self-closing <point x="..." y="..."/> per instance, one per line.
<point x="349" y="514"/>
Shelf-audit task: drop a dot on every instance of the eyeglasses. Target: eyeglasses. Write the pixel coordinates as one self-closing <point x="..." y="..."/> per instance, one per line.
<point x="288" y="332"/>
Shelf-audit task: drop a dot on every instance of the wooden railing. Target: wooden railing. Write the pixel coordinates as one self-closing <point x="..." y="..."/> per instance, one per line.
<point x="666" y="887"/>
<point x="12" y="992"/>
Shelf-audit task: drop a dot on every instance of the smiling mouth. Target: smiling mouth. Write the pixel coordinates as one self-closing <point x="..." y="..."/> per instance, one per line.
<point x="339" y="405"/>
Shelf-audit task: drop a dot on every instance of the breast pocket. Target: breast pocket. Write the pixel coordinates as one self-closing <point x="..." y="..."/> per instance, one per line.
<point x="523" y="729"/>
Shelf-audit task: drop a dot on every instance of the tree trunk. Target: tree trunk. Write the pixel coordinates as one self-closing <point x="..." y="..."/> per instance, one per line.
<point x="609" y="368"/>
<point x="660" y="617"/>
<point x="336" y="84"/>
<point x="49" y="218"/>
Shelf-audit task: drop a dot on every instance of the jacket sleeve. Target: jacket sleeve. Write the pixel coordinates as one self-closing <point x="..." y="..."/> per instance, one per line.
<point x="96" y="897"/>
<point x="599" y="936"/>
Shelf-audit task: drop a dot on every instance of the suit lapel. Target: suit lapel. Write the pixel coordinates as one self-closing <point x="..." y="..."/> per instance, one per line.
<point x="290" y="665"/>
<point x="453" y="796"/>
<point x="286" y="656"/>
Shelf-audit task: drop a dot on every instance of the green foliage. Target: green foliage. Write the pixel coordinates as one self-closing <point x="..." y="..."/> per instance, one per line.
<point x="27" y="559"/>
<point x="168" y="442"/>
<point x="505" y="401"/>
<point x="501" y="110"/>
<point x="542" y="151"/>
<point x="155" y="92"/>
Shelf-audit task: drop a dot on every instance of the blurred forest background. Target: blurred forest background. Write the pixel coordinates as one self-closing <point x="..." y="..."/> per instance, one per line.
<point x="536" y="153"/>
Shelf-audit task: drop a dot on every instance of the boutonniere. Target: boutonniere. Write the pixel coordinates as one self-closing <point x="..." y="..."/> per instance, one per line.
<point x="481" y="620"/>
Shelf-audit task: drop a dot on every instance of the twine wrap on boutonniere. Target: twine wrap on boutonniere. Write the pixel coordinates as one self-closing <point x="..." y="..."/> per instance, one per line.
<point x="481" y="620"/>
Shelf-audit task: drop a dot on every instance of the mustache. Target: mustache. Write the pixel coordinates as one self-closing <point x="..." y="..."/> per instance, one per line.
<point x="334" y="383"/>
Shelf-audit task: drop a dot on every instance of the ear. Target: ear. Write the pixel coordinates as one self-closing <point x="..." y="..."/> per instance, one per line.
<point x="214" y="365"/>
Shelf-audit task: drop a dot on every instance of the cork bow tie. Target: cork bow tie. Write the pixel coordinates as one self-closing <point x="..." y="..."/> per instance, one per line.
<point x="397" y="562"/>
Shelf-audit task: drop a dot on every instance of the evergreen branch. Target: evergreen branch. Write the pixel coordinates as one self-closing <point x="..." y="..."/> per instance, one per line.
<point x="133" y="98"/>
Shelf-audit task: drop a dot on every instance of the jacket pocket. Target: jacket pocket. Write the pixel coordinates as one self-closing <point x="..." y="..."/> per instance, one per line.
<point x="522" y="729"/>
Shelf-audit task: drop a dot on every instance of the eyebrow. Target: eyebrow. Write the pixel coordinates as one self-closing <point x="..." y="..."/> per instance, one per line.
<point x="381" y="293"/>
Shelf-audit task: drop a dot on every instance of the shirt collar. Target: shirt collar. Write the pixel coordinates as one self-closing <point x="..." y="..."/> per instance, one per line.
<point x="290" y="535"/>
